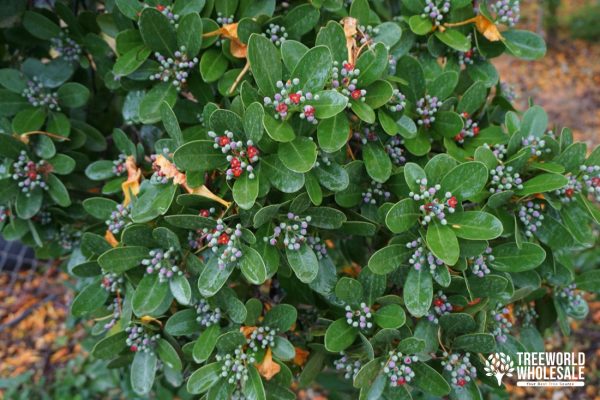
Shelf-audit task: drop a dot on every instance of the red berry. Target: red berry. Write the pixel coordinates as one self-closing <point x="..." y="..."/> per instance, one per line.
<point x="309" y="111"/>
<point x="459" y="137"/>
<point x="252" y="151"/>
<point x="465" y="114"/>
<point x="237" y="172"/>
<point x="429" y="206"/>
<point x="569" y="192"/>
<point x="452" y="202"/>
<point x="235" y="163"/>
<point x="204" y="213"/>
<point x="348" y="66"/>
<point x="401" y="381"/>
<point x="32" y="174"/>
<point x="224" y="141"/>
<point x="133" y="348"/>
<point x="160" y="7"/>
<point x="295" y="98"/>
<point x="596" y="181"/>
<point x="462" y="382"/>
<point x="438" y="302"/>
<point x="476" y="131"/>
<point x="223" y="239"/>
<point x="469" y="54"/>
<point x="356" y="94"/>
<point x="281" y="108"/>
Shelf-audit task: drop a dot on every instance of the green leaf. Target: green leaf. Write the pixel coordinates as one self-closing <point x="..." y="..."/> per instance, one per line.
<point x="379" y="93"/>
<point x="203" y="378"/>
<point x="265" y="63"/>
<point x="298" y="155"/>
<point x="473" y="98"/>
<point x="189" y="34"/>
<point x="204" y="346"/>
<point x="300" y="20"/>
<point x="181" y="289"/>
<point x="429" y="380"/>
<point x="326" y="217"/>
<point x="280" y="177"/>
<point x="291" y="52"/>
<point x="475" y="342"/>
<point x="73" y="95"/>
<point x="168" y="355"/>
<point x="182" y="323"/>
<point x="332" y="133"/>
<point x="62" y="164"/>
<point x="442" y="242"/>
<point x="509" y="257"/>
<point x="40" y="26"/>
<point x="278" y="130"/>
<point x="99" y="207"/>
<point x="372" y="64"/>
<point x="29" y="204"/>
<point x="542" y="183"/>
<point x="282" y="317"/>
<point x="455" y="39"/>
<point x="303" y="262"/>
<point x="199" y="155"/>
<point x="213" y="65"/>
<point x="332" y="35"/>
<point x="155" y="201"/>
<point x="149" y="110"/>
<point x="339" y="336"/>
<point x="212" y="278"/>
<point x="110" y="346"/>
<point x="465" y="180"/>
<point x="349" y="291"/>
<point x="328" y="103"/>
<point x="524" y="44"/>
<point x="28" y="120"/>
<point x="121" y="259"/>
<point x="447" y="124"/>
<point x="57" y="191"/>
<point x="419" y="25"/>
<point x="362" y="111"/>
<point x="253" y="266"/>
<point x="89" y="299"/>
<point x="443" y="86"/>
<point x="143" y="371"/>
<point x="149" y="295"/>
<point x="245" y="191"/>
<point x="333" y="177"/>
<point x="360" y="10"/>
<point x="157" y="32"/>
<point x="253" y="388"/>
<point x="313" y="69"/>
<point x="171" y="124"/>
<point x="475" y="225"/>
<point x="402" y="216"/>
<point x="377" y="161"/>
<point x="418" y="292"/>
<point x="387" y="259"/>
<point x="253" y="122"/>
<point x="390" y="316"/>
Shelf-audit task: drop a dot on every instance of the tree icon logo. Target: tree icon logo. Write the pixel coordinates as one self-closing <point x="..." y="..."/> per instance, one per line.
<point x="499" y="365"/>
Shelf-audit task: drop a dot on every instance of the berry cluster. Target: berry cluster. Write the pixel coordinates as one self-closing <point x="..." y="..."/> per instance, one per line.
<point x="566" y="193"/>
<point x="591" y="179"/>
<point x="479" y="264"/>
<point x="167" y="12"/>
<point x="499" y="150"/>
<point x="288" y="100"/>
<point x="470" y="129"/>
<point x="317" y="245"/>
<point x="436" y="10"/>
<point x="531" y="216"/>
<point x="68" y="238"/>
<point x="398" y="101"/>
<point x="234" y="368"/>
<point x="570" y="297"/>
<point x="294" y="231"/>
<point x="503" y="179"/>
<point x="322" y="158"/>
<point x="349" y="367"/>
<point x="29" y="174"/>
<point x="38" y="96"/>
<point x="368" y="134"/>
<point x="427" y="107"/>
<point x="261" y="338"/>
<point x="366" y="33"/>
<point x="395" y="149"/>
<point x="111" y="281"/>
<point x="501" y="324"/>
<point x="345" y="80"/>
<point x="226" y="242"/>
<point x="42" y="217"/>
<point x="139" y="340"/>
<point x="158" y="176"/>
<point x="276" y="33"/>
<point x="397" y="368"/>
<point x="538" y="146"/>
<point x="440" y="306"/>
<point x="120" y="165"/>
<point x="359" y="318"/>
<point x="460" y="369"/>
<point x="507" y="12"/>
<point x="422" y="257"/>
<point x="526" y="315"/>
<point x="118" y="219"/>
<point x="468" y="57"/>
<point x="164" y="263"/>
<point x="67" y="48"/>
<point x="375" y="193"/>
<point x="115" y="308"/>
<point x="223" y="20"/>
<point x="176" y="69"/>
<point x="207" y="316"/>
<point x="432" y="207"/>
<point x="239" y="155"/>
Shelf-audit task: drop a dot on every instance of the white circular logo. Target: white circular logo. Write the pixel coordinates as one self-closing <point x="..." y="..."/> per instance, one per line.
<point x="499" y="365"/>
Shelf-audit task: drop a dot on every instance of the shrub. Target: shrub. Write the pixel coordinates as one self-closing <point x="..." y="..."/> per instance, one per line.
<point x="252" y="192"/>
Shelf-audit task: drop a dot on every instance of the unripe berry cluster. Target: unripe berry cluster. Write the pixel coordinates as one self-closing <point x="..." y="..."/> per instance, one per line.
<point x="346" y="365"/>
<point x="67" y="48"/>
<point x="501" y="325"/>
<point x="468" y="57"/>
<point x="261" y="338"/>
<point x="288" y="100"/>
<point x="158" y="176"/>
<point x="427" y="107"/>
<point x="294" y="231"/>
<point x="207" y="315"/>
<point x="38" y="96"/>
<point x="479" y="264"/>
<point x="164" y="263"/>
<point x="375" y="193"/>
<point x="591" y="179"/>
<point x="167" y="12"/>
<point x="359" y="318"/>
<point x="531" y="216"/>
<point x="526" y="315"/>
<point x="436" y="10"/>
<point x="68" y="238"/>
<point x="470" y="129"/>
<point x="499" y="150"/>
<point x="460" y="369"/>
<point x="322" y="158"/>
<point x="29" y="174"/>
<point x="570" y="297"/>
<point x="507" y="12"/>
<point x="116" y="313"/>
<point x="139" y="340"/>
<point x="276" y="33"/>
<point x="504" y="179"/>
<point x="42" y="217"/>
<point x="240" y="156"/>
<point x="365" y="33"/>
<point x="440" y="306"/>
<point x="234" y="368"/>
<point x="225" y="243"/>
<point x="538" y="146"/>
<point x="119" y="165"/>
<point x="422" y="257"/>
<point x="224" y="20"/>
<point x="432" y="207"/>
<point x="318" y="246"/>
<point x="111" y="281"/>
<point x="398" y="101"/>
<point x="367" y="134"/>
<point x="174" y="69"/>
<point x="567" y="193"/>
<point x="118" y="219"/>
<point x="397" y="368"/>
<point x="395" y="149"/>
<point x="345" y="80"/>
